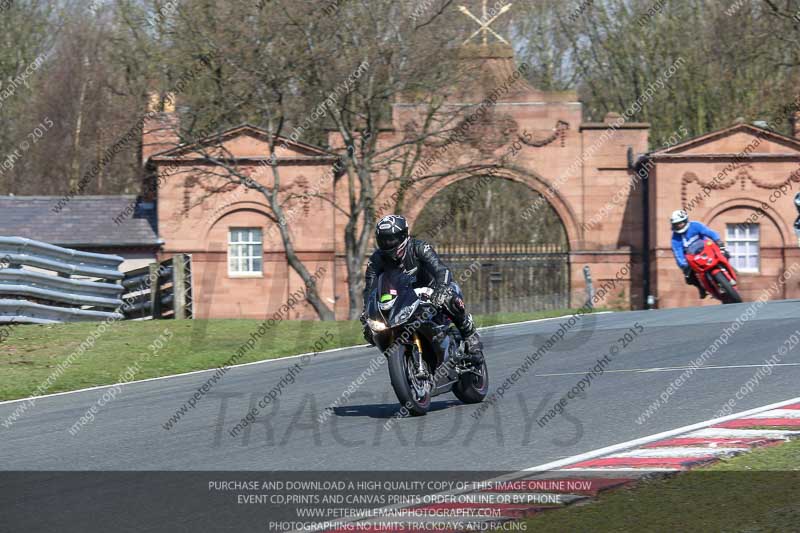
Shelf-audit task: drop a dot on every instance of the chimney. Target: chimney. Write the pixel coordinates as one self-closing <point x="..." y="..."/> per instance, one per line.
<point x="160" y="127"/>
<point x="795" y="120"/>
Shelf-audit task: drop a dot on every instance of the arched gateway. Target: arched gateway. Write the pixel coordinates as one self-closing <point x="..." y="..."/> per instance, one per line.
<point x="516" y="132"/>
<point x="580" y="170"/>
<point x="500" y="264"/>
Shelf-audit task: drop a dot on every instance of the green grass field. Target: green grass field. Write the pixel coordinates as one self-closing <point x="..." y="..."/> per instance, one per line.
<point x="755" y="492"/>
<point x="31" y="353"/>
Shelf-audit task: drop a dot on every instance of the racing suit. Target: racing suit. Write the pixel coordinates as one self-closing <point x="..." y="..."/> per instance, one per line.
<point x="682" y="241"/>
<point x="422" y="263"/>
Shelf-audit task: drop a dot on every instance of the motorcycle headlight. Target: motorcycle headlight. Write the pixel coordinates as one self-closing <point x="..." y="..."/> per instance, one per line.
<point x="405" y="313"/>
<point x="376" y="325"/>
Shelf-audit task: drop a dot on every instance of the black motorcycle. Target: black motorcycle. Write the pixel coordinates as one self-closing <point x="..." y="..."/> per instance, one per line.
<point x="424" y="349"/>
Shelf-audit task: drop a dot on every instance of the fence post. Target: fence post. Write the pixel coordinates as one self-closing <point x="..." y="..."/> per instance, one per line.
<point x="587" y="274"/>
<point x="179" y="286"/>
<point x="155" y="290"/>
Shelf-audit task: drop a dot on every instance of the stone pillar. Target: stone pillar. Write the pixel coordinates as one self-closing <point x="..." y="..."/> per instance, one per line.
<point x="160" y="126"/>
<point x="796" y="124"/>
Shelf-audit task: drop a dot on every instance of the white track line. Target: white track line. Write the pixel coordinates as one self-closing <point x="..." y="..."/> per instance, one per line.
<point x="640" y="469"/>
<point x="667" y="369"/>
<point x="727" y="433"/>
<point x="778" y="413"/>
<point x="622" y="446"/>
<point x="678" y="451"/>
<point x="563" y="464"/>
<point x="539" y="320"/>
<point x="264" y="361"/>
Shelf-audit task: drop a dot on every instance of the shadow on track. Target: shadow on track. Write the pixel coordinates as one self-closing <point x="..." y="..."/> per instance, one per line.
<point x="387" y="410"/>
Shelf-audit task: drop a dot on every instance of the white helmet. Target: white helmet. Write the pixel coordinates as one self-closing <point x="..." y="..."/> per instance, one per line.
<point x="679" y="221"/>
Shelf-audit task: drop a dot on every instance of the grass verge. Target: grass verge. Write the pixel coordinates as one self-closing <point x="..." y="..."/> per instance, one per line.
<point x="758" y="491"/>
<point x="31" y="353"/>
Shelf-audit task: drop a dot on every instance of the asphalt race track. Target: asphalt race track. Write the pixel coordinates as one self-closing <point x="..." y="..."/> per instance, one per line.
<point x="128" y="433"/>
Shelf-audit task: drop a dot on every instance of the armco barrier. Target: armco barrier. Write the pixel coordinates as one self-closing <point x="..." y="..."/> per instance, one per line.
<point x="160" y="290"/>
<point x="31" y="296"/>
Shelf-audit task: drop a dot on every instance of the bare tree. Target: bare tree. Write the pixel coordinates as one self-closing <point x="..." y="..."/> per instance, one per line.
<point x="332" y="80"/>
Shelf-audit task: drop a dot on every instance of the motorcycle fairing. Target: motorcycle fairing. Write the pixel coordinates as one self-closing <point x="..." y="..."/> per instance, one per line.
<point x="706" y="259"/>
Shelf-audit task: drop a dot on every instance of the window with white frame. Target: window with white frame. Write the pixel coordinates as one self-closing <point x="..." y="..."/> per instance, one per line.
<point x="743" y="245"/>
<point x="245" y="255"/>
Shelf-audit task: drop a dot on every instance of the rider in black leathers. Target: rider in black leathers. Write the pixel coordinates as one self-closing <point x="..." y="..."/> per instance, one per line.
<point x="418" y="259"/>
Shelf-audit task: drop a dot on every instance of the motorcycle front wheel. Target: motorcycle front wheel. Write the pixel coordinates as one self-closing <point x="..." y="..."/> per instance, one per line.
<point x="731" y="295"/>
<point x="473" y="386"/>
<point x="414" y="394"/>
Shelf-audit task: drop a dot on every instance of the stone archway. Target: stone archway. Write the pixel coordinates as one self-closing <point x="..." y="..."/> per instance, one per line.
<point x="760" y="212"/>
<point x="512" y="269"/>
<point x="773" y="238"/>
<point x="418" y="197"/>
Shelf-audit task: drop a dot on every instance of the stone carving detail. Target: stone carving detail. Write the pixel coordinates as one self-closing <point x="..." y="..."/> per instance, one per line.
<point x="305" y="198"/>
<point x="193" y="181"/>
<point x="410" y="130"/>
<point x="742" y="177"/>
<point x="559" y="133"/>
<point x="492" y="133"/>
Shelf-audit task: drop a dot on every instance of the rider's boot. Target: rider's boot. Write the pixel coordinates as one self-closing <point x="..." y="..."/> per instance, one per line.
<point x="473" y="347"/>
<point x="703" y="292"/>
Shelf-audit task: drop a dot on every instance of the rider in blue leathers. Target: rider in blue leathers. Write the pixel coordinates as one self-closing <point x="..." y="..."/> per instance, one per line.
<point x="684" y="233"/>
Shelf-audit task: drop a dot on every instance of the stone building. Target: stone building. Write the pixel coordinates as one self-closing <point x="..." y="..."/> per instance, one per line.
<point x="741" y="182"/>
<point x="576" y="166"/>
<point x="612" y="195"/>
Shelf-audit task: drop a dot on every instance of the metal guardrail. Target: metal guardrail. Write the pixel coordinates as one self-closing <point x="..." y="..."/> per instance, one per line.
<point x="26" y="312"/>
<point x="22" y="251"/>
<point x="159" y="290"/>
<point x="29" y="296"/>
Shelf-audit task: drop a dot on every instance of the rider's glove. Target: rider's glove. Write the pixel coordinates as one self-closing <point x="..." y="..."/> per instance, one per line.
<point x="724" y="250"/>
<point x="441" y="295"/>
<point x="366" y="330"/>
<point x="688" y="274"/>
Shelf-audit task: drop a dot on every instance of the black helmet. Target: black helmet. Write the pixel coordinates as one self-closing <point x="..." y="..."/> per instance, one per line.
<point x="391" y="234"/>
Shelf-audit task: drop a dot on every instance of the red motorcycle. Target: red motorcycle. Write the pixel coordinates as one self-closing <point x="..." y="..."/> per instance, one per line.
<point x="714" y="271"/>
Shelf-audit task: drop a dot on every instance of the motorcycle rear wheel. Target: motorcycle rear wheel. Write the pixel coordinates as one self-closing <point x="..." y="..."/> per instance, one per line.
<point x="731" y="295"/>
<point x="472" y="388"/>
<point x="407" y="393"/>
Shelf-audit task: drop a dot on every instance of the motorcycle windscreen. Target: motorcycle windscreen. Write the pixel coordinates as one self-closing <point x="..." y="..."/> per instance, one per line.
<point x="696" y="247"/>
<point x="396" y="296"/>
